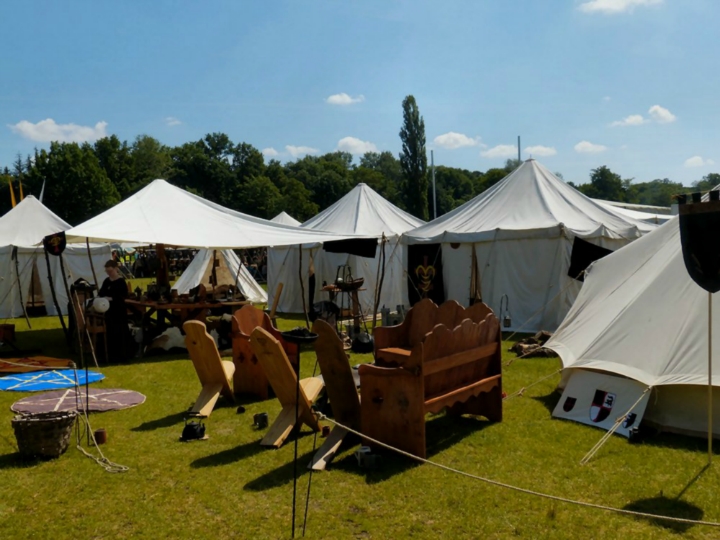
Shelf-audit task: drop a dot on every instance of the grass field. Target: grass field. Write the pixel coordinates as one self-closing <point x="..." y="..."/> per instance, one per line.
<point x="229" y="487"/>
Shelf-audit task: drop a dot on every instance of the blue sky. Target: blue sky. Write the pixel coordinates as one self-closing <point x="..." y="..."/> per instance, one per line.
<point x="631" y="84"/>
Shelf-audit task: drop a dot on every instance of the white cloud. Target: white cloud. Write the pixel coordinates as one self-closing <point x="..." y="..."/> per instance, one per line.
<point x="615" y="6"/>
<point x="607" y="98"/>
<point x="632" y="120"/>
<point x="698" y="161"/>
<point x="452" y="140"/>
<point x="500" y="151"/>
<point x="270" y="152"/>
<point x="661" y="115"/>
<point x="344" y="99"/>
<point x="172" y="121"/>
<point x="47" y="131"/>
<point x="355" y="146"/>
<point x="296" y="151"/>
<point x="541" y="151"/>
<point x="586" y="147"/>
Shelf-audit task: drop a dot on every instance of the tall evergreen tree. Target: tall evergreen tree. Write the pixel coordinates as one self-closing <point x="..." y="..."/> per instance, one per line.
<point x="413" y="159"/>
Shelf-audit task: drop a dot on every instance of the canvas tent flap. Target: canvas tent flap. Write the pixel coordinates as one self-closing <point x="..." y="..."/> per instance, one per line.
<point x="162" y="213"/>
<point x="198" y="270"/>
<point x="641" y="316"/>
<point x="28" y="223"/>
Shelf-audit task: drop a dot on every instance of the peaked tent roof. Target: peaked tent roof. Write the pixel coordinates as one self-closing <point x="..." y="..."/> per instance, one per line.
<point x="161" y="213"/>
<point x="639" y="314"/>
<point x="285" y="219"/>
<point x="531" y="202"/>
<point x="363" y="211"/>
<point x="27" y="223"/>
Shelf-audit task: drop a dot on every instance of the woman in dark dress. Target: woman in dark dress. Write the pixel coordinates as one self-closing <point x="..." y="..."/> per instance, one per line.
<point x="114" y="288"/>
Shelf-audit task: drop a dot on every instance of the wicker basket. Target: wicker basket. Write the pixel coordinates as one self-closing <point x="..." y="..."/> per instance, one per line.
<point x="44" y="435"/>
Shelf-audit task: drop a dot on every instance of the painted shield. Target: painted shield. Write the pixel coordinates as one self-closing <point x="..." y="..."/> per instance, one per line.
<point x="55" y="244"/>
<point x="602" y="404"/>
<point x="629" y="420"/>
<point x="699" y="226"/>
<point x="569" y="404"/>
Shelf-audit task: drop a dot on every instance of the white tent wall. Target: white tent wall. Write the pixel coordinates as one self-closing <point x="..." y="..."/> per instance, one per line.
<point x="532" y="273"/>
<point x="193" y="275"/>
<point x="77" y="265"/>
<point x="283" y="266"/>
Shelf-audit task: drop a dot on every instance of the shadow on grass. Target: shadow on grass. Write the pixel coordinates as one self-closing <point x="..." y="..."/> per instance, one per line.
<point x="229" y="456"/>
<point x="549" y="401"/>
<point x="441" y="433"/>
<point x="34" y="342"/>
<point x="164" y="422"/>
<point x="281" y="476"/>
<point x="17" y="461"/>
<point x="667" y="507"/>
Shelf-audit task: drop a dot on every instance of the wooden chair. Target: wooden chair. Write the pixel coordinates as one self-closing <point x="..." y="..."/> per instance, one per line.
<point x="283" y="380"/>
<point x="458" y="369"/>
<point x="249" y="375"/>
<point x="394" y="343"/>
<point x="214" y="373"/>
<point x="340" y="387"/>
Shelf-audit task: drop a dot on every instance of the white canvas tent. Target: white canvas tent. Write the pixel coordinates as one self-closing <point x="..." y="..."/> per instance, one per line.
<point x="285" y="219"/>
<point x="161" y="213"/>
<point x="639" y="316"/>
<point x="521" y="231"/>
<point x="230" y="271"/>
<point x="22" y="261"/>
<point x="649" y="214"/>
<point x="361" y="212"/>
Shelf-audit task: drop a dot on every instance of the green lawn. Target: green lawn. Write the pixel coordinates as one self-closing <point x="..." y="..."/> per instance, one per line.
<point x="229" y="487"/>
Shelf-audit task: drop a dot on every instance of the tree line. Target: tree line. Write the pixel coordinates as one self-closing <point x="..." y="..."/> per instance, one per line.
<point x="82" y="180"/>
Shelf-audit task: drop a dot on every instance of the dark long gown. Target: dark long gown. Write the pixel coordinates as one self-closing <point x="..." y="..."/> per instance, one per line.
<point x="116" y="320"/>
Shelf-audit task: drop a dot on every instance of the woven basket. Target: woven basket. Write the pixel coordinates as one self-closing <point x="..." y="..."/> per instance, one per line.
<point x="44" y="435"/>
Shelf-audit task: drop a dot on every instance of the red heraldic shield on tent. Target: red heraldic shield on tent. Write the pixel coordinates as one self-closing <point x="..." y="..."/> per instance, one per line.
<point x="602" y="405"/>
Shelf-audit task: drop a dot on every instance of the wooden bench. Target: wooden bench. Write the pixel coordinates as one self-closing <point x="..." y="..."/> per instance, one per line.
<point x="250" y="378"/>
<point x="394" y="343"/>
<point x="458" y="369"/>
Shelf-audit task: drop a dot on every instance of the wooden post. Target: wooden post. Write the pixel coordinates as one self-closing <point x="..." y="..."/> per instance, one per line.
<point x="92" y="266"/>
<point x="710" y="382"/>
<point x="54" y="297"/>
<point x="302" y="291"/>
<point x="162" y="274"/>
<point x="17" y="275"/>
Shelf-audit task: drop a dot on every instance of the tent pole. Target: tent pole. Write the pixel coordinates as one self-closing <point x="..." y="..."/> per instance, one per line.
<point x="302" y="292"/>
<point x="92" y="266"/>
<point x="17" y="275"/>
<point x="54" y="297"/>
<point x="710" y="386"/>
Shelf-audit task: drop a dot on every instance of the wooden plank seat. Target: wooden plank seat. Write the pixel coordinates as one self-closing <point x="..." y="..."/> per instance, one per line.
<point x="214" y="373"/>
<point x="249" y="376"/>
<point x="393" y="344"/>
<point x="455" y="369"/>
<point x="281" y="375"/>
<point x="341" y="390"/>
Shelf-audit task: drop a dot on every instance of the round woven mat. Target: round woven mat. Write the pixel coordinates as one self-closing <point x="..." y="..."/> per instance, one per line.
<point x="100" y="400"/>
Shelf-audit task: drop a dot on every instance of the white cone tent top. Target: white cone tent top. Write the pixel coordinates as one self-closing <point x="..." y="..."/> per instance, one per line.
<point x="648" y="215"/>
<point x="365" y="212"/>
<point x="161" y="213"/>
<point x="230" y="272"/>
<point x="531" y="202"/>
<point x="639" y="315"/>
<point x="22" y="265"/>
<point x="285" y="219"/>
<point x="361" y="212"/>
<point x="28" y="223"/>
<point x="517" y="239"/>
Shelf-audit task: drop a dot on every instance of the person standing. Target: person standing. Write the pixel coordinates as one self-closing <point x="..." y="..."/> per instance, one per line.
<point x="114" y="288"/>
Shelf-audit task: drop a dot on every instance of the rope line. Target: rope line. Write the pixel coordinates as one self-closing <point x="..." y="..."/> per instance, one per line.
<point x="522" y="390"/>
<point x="521" y="489"/>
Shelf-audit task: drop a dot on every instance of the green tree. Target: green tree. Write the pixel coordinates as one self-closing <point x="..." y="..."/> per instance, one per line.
<point x="453" y="186"/>
<point x="708" y="182"/>
<point x="605" y="184"/>
<point x="77" y="187"/>
<point x="259" y="197"/>
<point x="116" y="159"/>
<point x="150" y="160"/>
<point x="413" y="159"/>
<point x="388" y="165"/>
<point x="247" y="162"/>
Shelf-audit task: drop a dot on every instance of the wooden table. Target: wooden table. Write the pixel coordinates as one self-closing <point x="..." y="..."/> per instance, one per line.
<point x="354" y="312"/>
<point x="174" y="313"/>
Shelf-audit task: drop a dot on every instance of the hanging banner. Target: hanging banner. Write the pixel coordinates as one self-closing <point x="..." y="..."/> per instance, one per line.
<point x="55" y="244"/>
<point x="596" y="399"/>
<point x="699" y="226"/>
<point x="425" y="273"/>
<point x="583" y="255"/>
